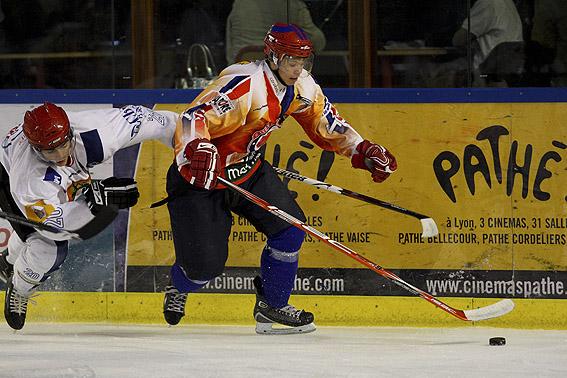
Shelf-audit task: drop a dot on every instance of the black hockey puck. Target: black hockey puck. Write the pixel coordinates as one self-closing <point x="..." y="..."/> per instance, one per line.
<point x="497" y="341"/>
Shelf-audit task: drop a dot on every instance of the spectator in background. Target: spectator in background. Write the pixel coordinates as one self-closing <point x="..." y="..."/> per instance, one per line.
<point x="550" y="31"/>
<point x="19" y="32"/>
<point x="249" y="20"/>
<point x="492" y="22"/>
<point x="199" y="25"/>
<point x="496" y="44"/>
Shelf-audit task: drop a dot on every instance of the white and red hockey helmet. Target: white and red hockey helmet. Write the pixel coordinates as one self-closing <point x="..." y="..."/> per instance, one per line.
<point x="47" y="126"/>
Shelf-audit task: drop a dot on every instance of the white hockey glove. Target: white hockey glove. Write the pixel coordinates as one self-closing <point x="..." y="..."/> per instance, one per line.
<point x="119" y="192"/>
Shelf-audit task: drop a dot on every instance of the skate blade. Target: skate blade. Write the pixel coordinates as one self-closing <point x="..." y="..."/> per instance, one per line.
<point x="268" y="329"/>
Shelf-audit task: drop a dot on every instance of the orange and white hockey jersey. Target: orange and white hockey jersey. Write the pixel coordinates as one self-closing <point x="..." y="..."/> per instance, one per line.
<point x="240" y="109"/>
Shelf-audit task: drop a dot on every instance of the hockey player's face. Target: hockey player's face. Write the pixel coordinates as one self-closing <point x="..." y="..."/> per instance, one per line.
<point x="58" y="155"/>
<point x="290" y="68"/>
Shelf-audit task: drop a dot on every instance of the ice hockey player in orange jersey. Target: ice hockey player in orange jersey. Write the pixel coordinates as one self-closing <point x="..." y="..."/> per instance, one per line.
<point x="222" y="133"/>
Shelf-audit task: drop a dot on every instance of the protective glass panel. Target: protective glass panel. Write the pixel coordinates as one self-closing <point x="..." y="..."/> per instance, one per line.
<point x="175" y="43"/>
<point x="65" y="44"/>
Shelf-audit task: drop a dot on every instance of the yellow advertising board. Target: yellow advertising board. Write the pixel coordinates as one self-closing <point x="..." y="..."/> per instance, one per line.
<point x="491" y="175"/>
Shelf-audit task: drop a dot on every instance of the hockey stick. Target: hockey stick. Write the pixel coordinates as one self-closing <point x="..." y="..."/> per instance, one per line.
<point x="492" y="311"/>
<point x="427" y="224"/>
<point x="103" y="218"/>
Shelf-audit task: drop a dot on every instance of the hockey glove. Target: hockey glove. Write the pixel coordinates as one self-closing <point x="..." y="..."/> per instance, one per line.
<point x="201" y="169"/>
<point x="375" y="159"/>
<point x="120" y="192"/>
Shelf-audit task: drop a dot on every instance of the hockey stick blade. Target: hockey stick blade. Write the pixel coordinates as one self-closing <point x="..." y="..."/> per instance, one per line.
<point x="479" y="314"/>
<point x="492" y="311"/>
<point x="429" y="228"/>
<point x="428" y="225"/>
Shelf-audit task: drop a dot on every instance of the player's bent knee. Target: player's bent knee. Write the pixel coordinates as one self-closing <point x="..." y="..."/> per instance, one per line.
<point x="184" y="283"/>
<point x="288" y="240"/>
<point x="40" y="259"/>
<point x="204" y="271"/>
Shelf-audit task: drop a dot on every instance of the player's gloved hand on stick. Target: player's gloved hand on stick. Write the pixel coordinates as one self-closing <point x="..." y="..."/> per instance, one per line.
<point x="121" y="192"/>
<point x="374" y="158"/>
<point x="201" y="169"/>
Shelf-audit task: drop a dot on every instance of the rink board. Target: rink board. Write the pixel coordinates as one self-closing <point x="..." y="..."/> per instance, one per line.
<point x="491" y="174"/>
<point x="487" y="165"/>
<point x="236" y="309"/>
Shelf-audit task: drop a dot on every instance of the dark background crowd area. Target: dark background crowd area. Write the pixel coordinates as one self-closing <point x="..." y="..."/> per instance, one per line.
<point x="72" y="44"/>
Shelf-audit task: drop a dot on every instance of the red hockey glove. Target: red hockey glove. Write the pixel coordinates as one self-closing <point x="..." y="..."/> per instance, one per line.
<point x="374" y="158"/>
<point x="202" y="167"/>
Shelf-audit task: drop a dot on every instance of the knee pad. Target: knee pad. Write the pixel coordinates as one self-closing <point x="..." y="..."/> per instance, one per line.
<point x="202" y="270"/>
<point x="39" y="258"/>
<point x="284" y="246"/>
<point x="288" y="240"/>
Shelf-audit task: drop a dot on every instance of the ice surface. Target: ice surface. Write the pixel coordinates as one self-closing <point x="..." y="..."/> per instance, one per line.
<point x="93" y="350"/>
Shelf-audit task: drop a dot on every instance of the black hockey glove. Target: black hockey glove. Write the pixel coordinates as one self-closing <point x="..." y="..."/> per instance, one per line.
<point x="120" y="192"/>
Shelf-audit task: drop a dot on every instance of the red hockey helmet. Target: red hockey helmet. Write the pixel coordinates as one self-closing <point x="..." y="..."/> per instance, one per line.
<point x="287" y="40"/>
<point x="47" y="126"/>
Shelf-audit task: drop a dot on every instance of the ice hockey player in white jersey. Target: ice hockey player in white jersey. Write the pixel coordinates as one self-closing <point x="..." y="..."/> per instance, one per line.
<point x="44" y="176"/>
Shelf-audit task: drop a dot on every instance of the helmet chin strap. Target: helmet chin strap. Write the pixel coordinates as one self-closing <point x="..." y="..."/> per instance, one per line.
<point x="275" y="71"/>
<point x="69" y="161"/>
<point x="277" y="74"/>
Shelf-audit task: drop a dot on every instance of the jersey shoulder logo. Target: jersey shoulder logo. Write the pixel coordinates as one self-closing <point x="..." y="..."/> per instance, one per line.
<point x="134" y="115"/>
<point x="52" y="175"/>
<point x="156" y="117"/>
<point x="75" y="187"/>
<point x="12" y="135"/>
<point x="335" y="123"/>
<point x="222" y="104"/>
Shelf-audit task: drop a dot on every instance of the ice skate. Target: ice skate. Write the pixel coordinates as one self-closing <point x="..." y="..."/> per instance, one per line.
<point x="6" y="268"/>
<point x="15" y="307"/>
<point x="173" y="305"/>
<point x="287" y="320"/>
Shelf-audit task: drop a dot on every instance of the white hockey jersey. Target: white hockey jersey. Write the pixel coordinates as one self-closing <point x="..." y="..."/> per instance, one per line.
<point x="51" y="194"/>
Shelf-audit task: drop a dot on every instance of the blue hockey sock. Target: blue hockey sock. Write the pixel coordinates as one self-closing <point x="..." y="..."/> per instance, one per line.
<point x="183" y="283"/>
<point x="279" y="265"/>
<point x="277" y="277"/>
